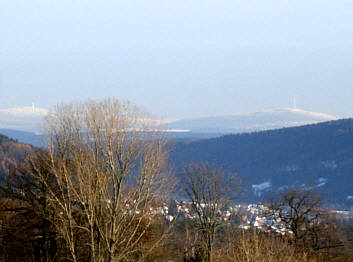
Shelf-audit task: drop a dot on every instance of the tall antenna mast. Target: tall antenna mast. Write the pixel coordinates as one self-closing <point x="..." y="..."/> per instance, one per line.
<point x="294" y="102"/>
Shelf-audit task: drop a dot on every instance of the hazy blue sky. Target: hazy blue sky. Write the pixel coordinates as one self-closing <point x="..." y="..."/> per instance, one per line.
<point x="179" y="58"/>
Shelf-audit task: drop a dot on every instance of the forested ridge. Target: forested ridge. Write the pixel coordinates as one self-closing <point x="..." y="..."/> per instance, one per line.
<point x="284" y="157"/>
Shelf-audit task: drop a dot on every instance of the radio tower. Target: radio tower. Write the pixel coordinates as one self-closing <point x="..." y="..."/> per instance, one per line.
<point x="294" y="103"/>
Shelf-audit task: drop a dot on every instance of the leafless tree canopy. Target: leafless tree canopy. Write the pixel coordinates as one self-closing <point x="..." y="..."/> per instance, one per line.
<point x="108" y="161"/>
<point x="309" y="223"/>
<point x="299" y="209"/>
<point x="209" y="189"/>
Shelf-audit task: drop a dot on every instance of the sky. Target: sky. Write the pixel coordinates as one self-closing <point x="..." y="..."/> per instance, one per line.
<point x="182" y="58"/>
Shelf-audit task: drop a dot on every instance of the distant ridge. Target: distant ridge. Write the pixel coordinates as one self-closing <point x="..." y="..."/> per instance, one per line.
<point x="22" y="118"/>
<point x="24" y="111"/>
<point x="29" y="118"/>
<point x="248" y="122"/>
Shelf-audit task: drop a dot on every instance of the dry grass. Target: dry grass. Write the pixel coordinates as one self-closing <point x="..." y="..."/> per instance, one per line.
<point x="255" y="247"/>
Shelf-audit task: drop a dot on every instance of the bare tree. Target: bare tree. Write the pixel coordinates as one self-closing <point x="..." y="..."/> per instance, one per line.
<point x="209" y="189"/>
<point x="300" y="211"/>
<point x="108" y="162"/>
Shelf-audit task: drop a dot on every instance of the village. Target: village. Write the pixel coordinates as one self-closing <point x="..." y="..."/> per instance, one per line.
<point x="252" y="216"/>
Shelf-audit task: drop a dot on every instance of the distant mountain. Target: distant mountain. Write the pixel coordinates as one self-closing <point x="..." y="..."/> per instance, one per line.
<point x="318" y="156"/>
<point x="248" y="122"/>
<point x="28" y="119"/>
<point x="22" y="118"/>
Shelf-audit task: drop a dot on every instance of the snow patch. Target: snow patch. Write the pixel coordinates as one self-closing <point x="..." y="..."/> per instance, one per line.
<point x="259" y="188"/>
<point x="291" y="168"/>
<point x="309" y="113"/>
<point x="321" y="182"/>
<point x="282" y="188"/>
<point x="329" y="164"/>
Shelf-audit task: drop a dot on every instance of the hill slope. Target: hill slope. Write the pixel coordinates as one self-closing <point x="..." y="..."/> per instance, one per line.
<point x="11" y="153"/>
<point x="23" y="137"/>
<point x="319" y="155"/>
